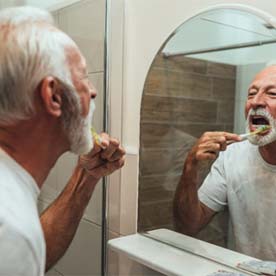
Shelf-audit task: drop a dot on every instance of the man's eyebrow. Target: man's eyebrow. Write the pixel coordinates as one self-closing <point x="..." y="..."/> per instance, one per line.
<point x="253" y="86"/>
<point x="270" y="86"/>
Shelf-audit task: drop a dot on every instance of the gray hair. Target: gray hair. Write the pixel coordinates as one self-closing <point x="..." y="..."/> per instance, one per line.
<point x="31" y="48"/>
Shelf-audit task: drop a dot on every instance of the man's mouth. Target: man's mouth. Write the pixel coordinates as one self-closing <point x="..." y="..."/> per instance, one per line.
<point x="256" y="121"/>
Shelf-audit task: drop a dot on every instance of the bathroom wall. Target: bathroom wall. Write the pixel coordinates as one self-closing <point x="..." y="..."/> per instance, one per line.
<point x="84" y="22"/>
<point x="183" y="97"/>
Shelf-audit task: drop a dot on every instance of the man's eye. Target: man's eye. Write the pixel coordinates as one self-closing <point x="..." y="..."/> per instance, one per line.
<point x="271" y="93"/>
<point x="252" y="93"/>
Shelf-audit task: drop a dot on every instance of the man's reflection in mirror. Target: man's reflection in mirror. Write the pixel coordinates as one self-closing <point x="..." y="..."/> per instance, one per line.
<point x="242" y="177"/>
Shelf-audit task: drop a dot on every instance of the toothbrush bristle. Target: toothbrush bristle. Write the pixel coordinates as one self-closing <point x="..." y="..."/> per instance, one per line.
<point x="263" y="128"/>
<point x="96" y="136"/>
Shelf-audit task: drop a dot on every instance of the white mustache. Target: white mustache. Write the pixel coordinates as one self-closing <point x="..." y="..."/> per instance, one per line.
<point x="268" y="138"/>
<point x="260" y="112"/>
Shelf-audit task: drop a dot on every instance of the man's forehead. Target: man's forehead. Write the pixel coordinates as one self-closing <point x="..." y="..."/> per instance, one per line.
<point x="269" y="73"/>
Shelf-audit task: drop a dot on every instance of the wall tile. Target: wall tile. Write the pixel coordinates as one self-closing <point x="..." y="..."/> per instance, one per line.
<point x="161" y="136"/>
<point x="180" y="63"/>
<point x="155" y="214"/>
<point x="178" y="110"/>
<point x="170" y="135"/>
<point x="49" y="187"/>
<point x="42" y="205"/>
<point x="128" y="196"/>
<point x="226" y="112"/>
<point x="185" y="64"/>
<point x="197" y="129"/>
<point x="224" y="89"/>
<point x="163" y="162"/>
<point x="114" y="199"/>
<point x="224" y="71"/>
<point x="239" y="116"/>
<point x="158" y="194"/>
<point x="156" y="82"/>
<point x="84" y="254"/>
<point x="93" y="211"/>
<point x="174" y="83"/>
<point x="230" y="128"/>
<point x="188" y="85"/>
<point x="153" y="182"/>
<point x="65" y="167"/>
<point x="84" y="22"/>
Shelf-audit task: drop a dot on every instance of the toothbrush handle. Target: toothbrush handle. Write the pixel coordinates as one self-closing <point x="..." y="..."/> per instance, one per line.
<point x="243" y="137"/>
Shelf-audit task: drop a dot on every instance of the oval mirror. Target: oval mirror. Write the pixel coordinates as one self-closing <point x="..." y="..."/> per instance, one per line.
<point x="198" y="82"/>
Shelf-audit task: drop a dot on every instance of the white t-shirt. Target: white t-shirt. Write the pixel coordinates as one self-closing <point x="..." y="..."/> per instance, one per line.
<point x="22" y="244"/>
<point x="241" y="179"/>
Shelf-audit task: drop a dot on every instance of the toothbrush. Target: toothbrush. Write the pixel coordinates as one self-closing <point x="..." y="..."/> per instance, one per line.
<point x="245" y="136"/>
<point x="96" y="137"/>
<point x="257" y="131"/>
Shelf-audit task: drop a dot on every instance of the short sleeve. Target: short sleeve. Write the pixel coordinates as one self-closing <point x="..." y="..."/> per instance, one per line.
<point x="16" y="254"/>
<point x="213" y="192"/>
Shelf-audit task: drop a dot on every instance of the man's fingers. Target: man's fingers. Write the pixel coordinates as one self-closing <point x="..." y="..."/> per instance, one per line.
<point x="107" y="168"/>
<point x="217" y="135"/>
<point x="90" y="163"/>
<point x="232" y="137"/>
<point x="111" y="149"/>
<point x="207" y="155"/>
<point x="117" y="155"/>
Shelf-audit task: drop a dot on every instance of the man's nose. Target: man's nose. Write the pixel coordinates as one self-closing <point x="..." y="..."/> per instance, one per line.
<point x="258" y="101"/>
<point x="93" y="93"/>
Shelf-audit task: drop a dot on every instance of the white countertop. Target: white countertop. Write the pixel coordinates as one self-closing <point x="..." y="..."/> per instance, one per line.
<point x="170" y="260"/>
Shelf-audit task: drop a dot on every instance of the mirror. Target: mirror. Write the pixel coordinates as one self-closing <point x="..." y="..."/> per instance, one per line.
<point x="198" y="82"/>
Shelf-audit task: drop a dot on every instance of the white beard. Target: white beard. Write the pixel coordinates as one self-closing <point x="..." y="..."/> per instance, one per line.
<point x="262" y="140"/>
<point x="80" y="137"/>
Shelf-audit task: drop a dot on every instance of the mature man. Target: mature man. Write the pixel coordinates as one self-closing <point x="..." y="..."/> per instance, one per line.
<point x="242" y="176"/>
<point x="45" y="111"/>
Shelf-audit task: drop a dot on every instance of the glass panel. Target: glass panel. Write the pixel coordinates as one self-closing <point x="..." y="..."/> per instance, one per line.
<point x="84" y="22"/>
<point x="198" y="83"/>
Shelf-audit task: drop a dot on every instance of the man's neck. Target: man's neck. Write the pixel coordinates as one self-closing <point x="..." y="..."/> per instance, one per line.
<point x="268" y="153"/>
<point x="36" y="149"/>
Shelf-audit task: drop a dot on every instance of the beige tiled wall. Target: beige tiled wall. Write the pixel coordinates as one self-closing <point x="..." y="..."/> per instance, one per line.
<point x="84" y="22"/>
<point x="183" y="97"/>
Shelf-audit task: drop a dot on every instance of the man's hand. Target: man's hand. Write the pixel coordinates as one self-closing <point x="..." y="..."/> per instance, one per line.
<point x="210" y="144"/>
<point x="104" y="159"/>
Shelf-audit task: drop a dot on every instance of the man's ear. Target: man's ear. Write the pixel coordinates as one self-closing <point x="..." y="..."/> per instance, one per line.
<point x="51" y="96"/>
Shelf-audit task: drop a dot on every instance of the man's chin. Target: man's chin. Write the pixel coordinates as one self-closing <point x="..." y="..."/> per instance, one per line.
<point x="263" y="141"/>
<point x="83" y="148"/>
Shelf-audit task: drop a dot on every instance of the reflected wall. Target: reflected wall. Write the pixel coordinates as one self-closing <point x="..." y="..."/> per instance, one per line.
<point x="183" y="97"/>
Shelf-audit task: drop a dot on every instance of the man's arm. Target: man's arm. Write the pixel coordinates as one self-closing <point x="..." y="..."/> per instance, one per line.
<point x="190" y="214"/>
<point x="61" y="219"/>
